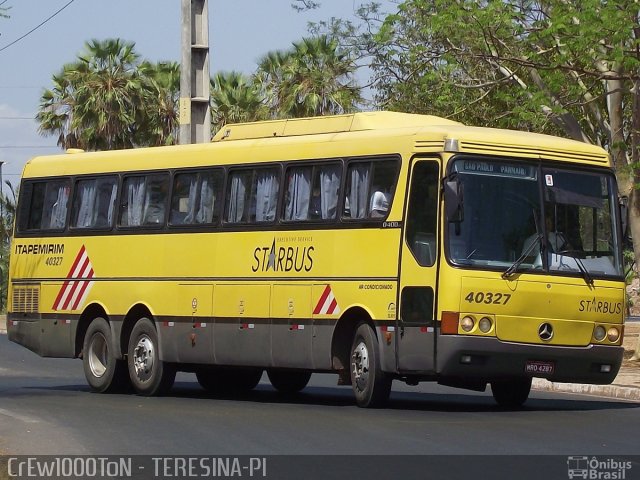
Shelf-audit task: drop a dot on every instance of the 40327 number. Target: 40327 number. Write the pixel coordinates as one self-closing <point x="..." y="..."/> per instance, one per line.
<point x="488" y="298"/>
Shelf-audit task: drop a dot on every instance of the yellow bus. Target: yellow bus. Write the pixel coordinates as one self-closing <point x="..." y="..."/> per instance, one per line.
<point x="379" y="246"/>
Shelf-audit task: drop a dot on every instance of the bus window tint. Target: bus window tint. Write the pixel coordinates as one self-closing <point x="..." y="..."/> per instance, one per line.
<point x="238" y="197"/>
<point x="267" y="184"/>
<point x="369" y="189"/>
<point x="312" y="192"/>
<point x="143" y="200"/>
<point x="94" y="202"/>
<point x="253" y="196"/>
<point x="47" y="206"/>
<point x="422" y="214"/>
<point x="195" y="198"/>
<point x="324" y="196"/>
<point x="298" y="194"/>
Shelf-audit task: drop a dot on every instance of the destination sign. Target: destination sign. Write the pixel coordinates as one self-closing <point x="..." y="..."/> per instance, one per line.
<point x="500" y="169"/>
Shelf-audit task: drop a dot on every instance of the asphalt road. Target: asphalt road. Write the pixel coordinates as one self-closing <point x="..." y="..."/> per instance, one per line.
<point x="47" y="408"/>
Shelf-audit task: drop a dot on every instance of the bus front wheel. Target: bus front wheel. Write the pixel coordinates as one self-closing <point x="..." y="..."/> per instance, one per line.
<point x="371" y="385"/>
<point x="149" y="375"/>
<point x="104" y="372"/>
<point x="511" y="393"/>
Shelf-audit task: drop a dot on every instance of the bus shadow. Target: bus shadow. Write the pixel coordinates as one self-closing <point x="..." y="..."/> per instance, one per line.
<point x="402" y="400"/>
<point x="343" y="397"/>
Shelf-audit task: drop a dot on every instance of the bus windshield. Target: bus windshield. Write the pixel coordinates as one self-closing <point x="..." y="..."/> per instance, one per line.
<point x="524" y="217"/>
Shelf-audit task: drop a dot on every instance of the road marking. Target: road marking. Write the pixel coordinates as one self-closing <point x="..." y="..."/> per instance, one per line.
<point x="17" y="416"/>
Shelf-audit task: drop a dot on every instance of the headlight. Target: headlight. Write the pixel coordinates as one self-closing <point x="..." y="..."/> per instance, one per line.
<point x="467" y="323"/>
<point x="485" y="324"/>
<point x="599" y="333"/>
<point x="613" y="334"/>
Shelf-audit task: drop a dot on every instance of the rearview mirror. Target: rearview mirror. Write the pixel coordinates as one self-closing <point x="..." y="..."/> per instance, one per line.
<point x="623" y="203"/>
<point x="454" y="200"/>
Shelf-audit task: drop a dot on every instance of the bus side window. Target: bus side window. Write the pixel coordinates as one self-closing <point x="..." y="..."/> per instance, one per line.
<point x="298" y="193"/>
<point x="264" y="199"/>
<point x="44" y="205"/>
<point x="185" y="189"/>
<point x="312" y="192"/>
<point x="253" y="195"/>
<point x="422" y="214"/>
<point x="157" y="195"/>
<point x="237" y="205"/>
<point x="143" y="201"/>
<point x="195" y="198"/>
<point x="94" y="202"/>
<point x="131" y="201"/>
<point x="326" y="188"/>
<point x="369" y="189"/>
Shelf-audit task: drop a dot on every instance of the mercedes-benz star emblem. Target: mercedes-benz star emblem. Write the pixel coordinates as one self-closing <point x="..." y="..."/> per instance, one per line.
<point x="545" y="332"/>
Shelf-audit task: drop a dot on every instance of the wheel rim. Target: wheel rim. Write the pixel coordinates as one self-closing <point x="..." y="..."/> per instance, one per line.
<point x="98" y="355"/>
<point x="143" y="355"/>
<point x="360" y="366"/>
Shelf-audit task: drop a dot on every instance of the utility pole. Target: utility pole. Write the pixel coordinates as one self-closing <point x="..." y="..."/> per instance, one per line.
<point x="195" y="115"/>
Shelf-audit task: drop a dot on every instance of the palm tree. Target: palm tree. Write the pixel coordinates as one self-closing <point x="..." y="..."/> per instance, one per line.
<point x="56" y="110"/>
<point x="161" y="83"/>
<point x="109" y="93"/>
<point x="270" y="77"/>
<point x="315" y="77"/>
<point x="235" y="99"/>
<point x="97" y="101"/>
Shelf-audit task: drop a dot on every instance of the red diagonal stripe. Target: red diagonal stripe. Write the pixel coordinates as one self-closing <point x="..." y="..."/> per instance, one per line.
<point x="323" y="298"/>
<point x="76" y="261"/>
<point x="75" y="284"/>
<point x="84" y="286"/>
<point x="56" y="304"/>
<point x="332" y="307"/>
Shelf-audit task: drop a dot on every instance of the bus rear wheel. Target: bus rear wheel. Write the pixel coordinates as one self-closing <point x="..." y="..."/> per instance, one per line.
<point x="288" y="381"/>
<point x="149" y="375"/>
<point x="371" y="386"/>
<point x="511" y="393"/>
<point x="228" y="380"/>
<point x="104" y="372"/>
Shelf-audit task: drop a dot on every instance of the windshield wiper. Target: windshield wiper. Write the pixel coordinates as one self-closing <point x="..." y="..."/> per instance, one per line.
<point x="585" y="273"/>
<point x="537" y="241"/>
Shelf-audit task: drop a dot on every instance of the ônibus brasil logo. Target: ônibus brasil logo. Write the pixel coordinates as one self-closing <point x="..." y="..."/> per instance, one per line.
<point x="77" y="285"/>
<point x="593" y="468"/>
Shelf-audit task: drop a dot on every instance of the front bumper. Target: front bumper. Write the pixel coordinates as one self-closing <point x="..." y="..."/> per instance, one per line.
<point x="490" y="359"/>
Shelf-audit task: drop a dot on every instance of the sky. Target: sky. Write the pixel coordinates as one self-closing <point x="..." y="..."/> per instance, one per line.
<point x="240" y="33"/>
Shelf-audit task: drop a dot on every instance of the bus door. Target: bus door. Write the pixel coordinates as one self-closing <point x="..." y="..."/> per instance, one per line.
<point x="418" y="270"/>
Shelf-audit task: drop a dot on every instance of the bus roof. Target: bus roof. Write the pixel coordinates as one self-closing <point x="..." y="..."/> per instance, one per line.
<point x="368" y="132"/>
<point x="354" y="122"/>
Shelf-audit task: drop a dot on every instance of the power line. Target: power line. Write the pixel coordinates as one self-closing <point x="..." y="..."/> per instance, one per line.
<point x="36" y="27"/>
<point x="17" y="118"/>
<point x="28" y="146"/>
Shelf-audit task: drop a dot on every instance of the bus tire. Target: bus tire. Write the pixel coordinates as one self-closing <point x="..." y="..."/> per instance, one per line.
<point x="228" y="379"/>
<point x="511" y="393"/>
<point x="371" y="386"/>
<point x="104" y="372"/>
<point x="149" y="375"/>
<point x="288" y="381"/>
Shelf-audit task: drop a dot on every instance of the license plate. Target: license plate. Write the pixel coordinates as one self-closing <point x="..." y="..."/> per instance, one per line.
<point x="539" y="368"/>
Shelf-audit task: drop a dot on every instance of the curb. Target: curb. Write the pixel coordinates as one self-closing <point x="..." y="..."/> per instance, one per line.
<point x="609" y="391"/>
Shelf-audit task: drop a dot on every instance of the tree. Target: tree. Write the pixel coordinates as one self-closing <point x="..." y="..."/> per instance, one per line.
<point x="8" y="207"/>
<point x="234" y="98"/>
<point x="161" y="89"/>
<point x="314" y="77"/>
<point x="109" y="99"/>
<point x="569" y="67"/>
